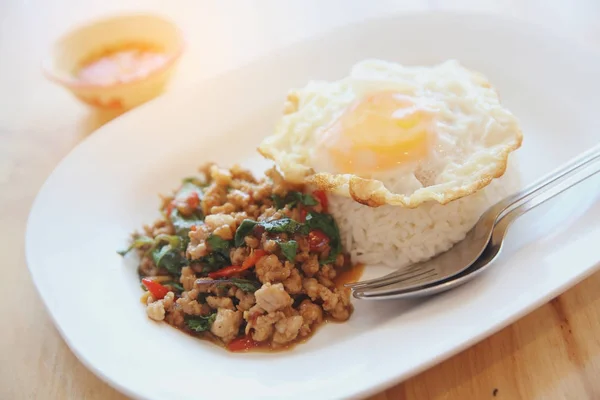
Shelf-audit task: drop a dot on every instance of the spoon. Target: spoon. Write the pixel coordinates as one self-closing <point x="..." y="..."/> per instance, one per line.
<point x="436" y="272"/>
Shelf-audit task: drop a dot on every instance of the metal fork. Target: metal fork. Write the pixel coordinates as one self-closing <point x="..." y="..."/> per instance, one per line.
<point x="465" y="253"/>
<point x="489" y="255"/>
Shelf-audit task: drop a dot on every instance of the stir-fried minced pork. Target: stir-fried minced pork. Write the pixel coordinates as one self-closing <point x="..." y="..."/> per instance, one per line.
<point x="247" y="262"/>
<point x="227" y="324"/>
<point x="272" y="297"/>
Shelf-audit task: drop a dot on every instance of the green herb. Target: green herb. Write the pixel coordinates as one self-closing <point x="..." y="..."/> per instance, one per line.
<point x="243" y="230"/>
<point x="138" y="242"/>
<point x="173" y="240"/>
<point x="244" y="284"/>
<point x="293" y="199"/>
<point x="289" y="249"/>
<point x="326" y="224"/>
<point x="200" y="323"/>
<point x="218" y="256"/>
<point x="283" y="225"/>
<point x="174" y="285"/>
<point x="188" y="187"/>
<point x="279" y="201"/>
<point x="216" y="243"/>
<point x="169" y="258"/>
<point x="202" y="297"/>
<point x="213" y="261"/>
<point x="142" y="241"/>
<point x="183" y="224"/>
<point x="194" y="180"/>
<point x="306" y="199"/>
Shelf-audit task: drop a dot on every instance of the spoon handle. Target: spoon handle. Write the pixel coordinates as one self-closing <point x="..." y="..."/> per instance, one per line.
<point x="546" y="183"/>
<point x="553" y="189"/>
<point x="493" y="249"/>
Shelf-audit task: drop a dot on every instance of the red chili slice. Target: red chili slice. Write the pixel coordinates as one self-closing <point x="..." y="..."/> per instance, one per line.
<point x="169" y="209"/>
<point x="303" y="214"/>
<point x="317" y="239"/>
<point x="226" y="271"/>
<point x="235" y="269"/>
<point x="157" y="290"/>
<point x="193" y="200"/>
<point x="322" y="198"/>
<point x="243" y="343"/>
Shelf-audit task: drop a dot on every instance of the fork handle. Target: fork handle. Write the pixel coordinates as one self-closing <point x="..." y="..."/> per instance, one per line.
<point x="498" y="234"/>
<point x="537" y="188"/>
<point x="537" y="198"/>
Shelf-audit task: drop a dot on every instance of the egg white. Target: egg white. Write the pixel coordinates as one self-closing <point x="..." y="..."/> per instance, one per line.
<point x="474" y="134"/>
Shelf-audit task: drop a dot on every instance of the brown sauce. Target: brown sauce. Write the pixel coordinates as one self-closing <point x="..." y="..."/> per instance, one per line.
<point x="349" y="275"/>
<point x="346" y="275"/>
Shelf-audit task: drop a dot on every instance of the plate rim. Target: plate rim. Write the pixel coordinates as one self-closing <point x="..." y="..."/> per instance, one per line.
<point x="379" y="385"/>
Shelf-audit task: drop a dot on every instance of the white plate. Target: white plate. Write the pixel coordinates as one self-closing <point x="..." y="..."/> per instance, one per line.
<point x="108" y="186"/>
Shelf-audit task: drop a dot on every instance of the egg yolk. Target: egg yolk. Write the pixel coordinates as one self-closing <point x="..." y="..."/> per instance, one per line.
<point x="377" y="133"/>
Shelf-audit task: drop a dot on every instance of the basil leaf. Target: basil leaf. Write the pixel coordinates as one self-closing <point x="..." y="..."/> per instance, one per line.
<point x="142" y="241"/>
<point x="194" y="180"/>
<point x="187" y="188"/>
<point x="326" y="224"/>
<point x="292" y="199"/>
<point x="173" y="240"/>
<point x="174" y="285"/>
<point x="216" y="243"/>
<point x="138" y="242"/>
<point x="306" y="199"/>
<point x="159" y="253"/>
<point x="279" y="201"/>
<point x="213" y="261"/>
<point x="244" y="284"/>
<point x="200" y="323"/>
<point x="183" y="224"/>
<point x="169" y="258"/>
<point x="289" y="249"/>
<point x="283" y="225"/>
<point x="218" y="256"/>
<point x="243" y="230"/>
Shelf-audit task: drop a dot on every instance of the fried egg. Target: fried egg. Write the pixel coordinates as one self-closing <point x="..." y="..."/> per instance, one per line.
<point x="393" y="134"/>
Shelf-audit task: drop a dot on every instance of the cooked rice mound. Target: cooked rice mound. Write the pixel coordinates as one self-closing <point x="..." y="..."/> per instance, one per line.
<point x="397" y="236"/>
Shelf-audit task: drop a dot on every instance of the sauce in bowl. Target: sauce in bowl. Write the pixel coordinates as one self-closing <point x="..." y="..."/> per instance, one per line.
<point x="121" y="64"/>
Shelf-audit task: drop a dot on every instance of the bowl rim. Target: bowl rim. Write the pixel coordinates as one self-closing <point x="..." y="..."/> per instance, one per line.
<point x="51" y="73"/>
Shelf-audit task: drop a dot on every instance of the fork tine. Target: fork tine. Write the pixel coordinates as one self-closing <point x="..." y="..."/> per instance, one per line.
<point x="386" y="278"/>
<point x="395" y="277"/>
<point x="441" y="274"/>
<point x="417" y="280"/>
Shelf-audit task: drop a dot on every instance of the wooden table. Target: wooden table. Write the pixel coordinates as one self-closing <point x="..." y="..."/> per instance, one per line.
<point x="554" y="352"/>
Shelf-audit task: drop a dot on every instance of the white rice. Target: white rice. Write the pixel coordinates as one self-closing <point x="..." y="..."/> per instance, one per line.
<point x="397" y="237"/>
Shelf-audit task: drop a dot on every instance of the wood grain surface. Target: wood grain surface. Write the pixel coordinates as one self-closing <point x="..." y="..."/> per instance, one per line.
<point x="552" y="353"/>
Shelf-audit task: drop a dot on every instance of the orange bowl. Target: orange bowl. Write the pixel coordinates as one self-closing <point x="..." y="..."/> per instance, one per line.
<point x="70" y="53"/>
